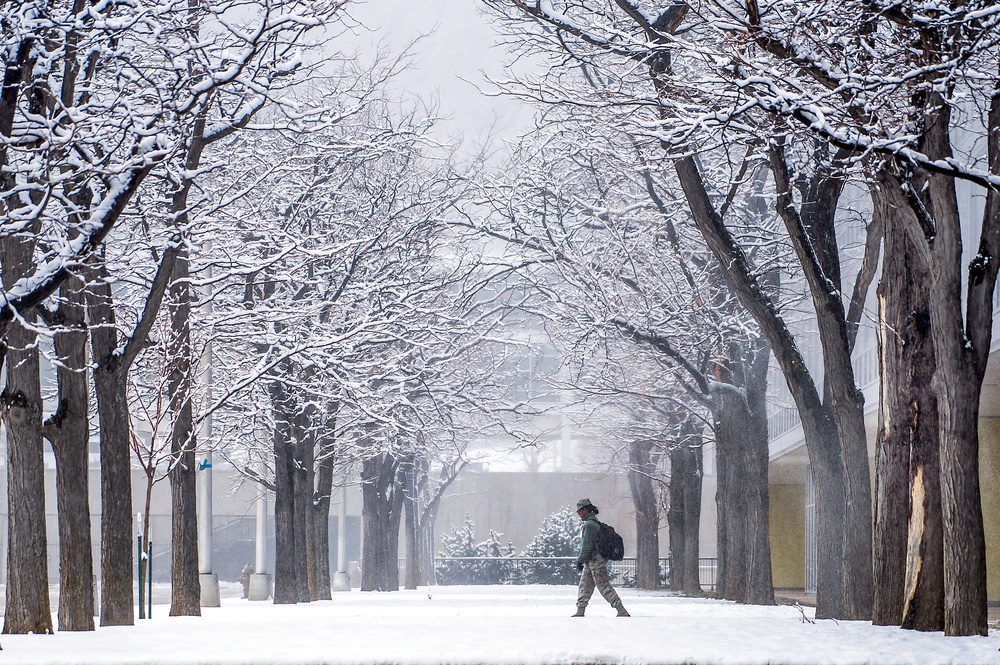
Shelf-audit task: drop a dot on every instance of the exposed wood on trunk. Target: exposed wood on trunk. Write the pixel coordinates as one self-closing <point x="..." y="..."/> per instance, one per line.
<point x="909" y="583"/>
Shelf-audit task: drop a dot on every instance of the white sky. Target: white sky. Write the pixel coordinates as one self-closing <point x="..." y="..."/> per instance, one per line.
<point x="455" y="48"/>
<point x="502" y="625"/>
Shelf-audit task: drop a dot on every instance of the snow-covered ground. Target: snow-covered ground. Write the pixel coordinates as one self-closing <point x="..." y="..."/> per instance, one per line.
<point x="494" y="626"/>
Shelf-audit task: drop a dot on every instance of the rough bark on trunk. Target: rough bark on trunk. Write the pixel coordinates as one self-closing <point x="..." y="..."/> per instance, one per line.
<point x="27" y="598"/>
<point x="380" y="515"/>
<point x="321" y="520"/>
<point x="684" y="515"/>
<point x="68" y="431"/>
<point x="961" y="361"/>
<point x="303" y="487"/>
<point x="647" y="515"/>
<point x="744" y="570"/>
<point x="909" y="575"/>
<point x="286" y="584"/>
<point x="411" y="523"/>
<point x="185" y="584"/>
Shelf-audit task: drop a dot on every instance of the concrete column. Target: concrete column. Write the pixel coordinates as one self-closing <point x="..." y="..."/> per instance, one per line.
<point x="260" y="581"/>
<point x="210" y="596"/>
<point x="341" y="580"/>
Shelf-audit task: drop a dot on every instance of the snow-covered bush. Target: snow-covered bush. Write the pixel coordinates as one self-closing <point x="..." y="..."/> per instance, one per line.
<point x="558" y="536"/>
<point x="459" y="544"/>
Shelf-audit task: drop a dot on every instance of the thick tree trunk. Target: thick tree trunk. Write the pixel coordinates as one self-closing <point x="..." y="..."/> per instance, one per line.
<point x="321" y="520"/>
<point x="303" y="487"/>
<point x="27" y="605"/>
<point x="744" y="570"/>
<point x="684" y="515"/>
<point x="411" y="524"/>
<point x="811" y="229"/>
<point x="27" y="598"/>
<point x="647" y="515"/>
<point x="286" y="584"/>
<point x="427" y="572"/>
<point x="116" y="482"/>
<point x="909" y="575"/>
<point x="691" y="491"/>
<point x="68" y="430"/>
<point x="380" y="514"/>
<point x="185" y="584"/>
<point x="957" y="384"/>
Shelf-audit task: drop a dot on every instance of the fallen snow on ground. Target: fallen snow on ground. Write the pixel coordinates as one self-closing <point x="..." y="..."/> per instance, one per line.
<point x="511" y="625"/>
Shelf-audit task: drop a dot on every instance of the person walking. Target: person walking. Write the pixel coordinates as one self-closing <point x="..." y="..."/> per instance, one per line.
<point x="592" y="566"/>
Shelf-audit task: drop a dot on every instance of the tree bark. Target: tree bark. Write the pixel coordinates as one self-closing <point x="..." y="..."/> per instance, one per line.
<point x="909" y="575"/>
<point x="961" y="364"/>
<point x="185" y="584"/>
<point x="380" y="513"/>
<point x="684" y="515"/>
<point x="27" y="604"/>
<point x="647" y="515"/>
<point x="286" y="584"/>
<point x="68" y="431"/>
<point x="321" y="507"/>
<point x="303" y="488"/>
<point x="812" y="230"/>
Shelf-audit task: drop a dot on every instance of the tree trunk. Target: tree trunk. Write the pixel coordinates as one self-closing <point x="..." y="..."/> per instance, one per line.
<point x="961" y="363"/>
<point x="321" y="520"/>
<point x="811" y="229"/>
<point x="303" y="484"/>
<point x="286" y="584"/>
<point x="68" y="430"/>
<point x="647" y="515"/>
<point x="381" y="503"/>
<point x="684" y="516"/>
<point x="819" y="430"/>
<point x="428" y="572"/>
<point x="411" y="524"/>
<point x="185" y="584"/>
<point x="691" y="573"/>
<point x="27" y="605"/>
<point x="909" y="575"/>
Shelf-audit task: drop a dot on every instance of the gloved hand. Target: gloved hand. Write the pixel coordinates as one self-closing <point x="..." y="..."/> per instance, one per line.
<point x="579" y="567"/>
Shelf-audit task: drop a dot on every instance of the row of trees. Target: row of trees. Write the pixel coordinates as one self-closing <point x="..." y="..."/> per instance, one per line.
<point x="702" y="115"/>
<point x="226" y="254"/>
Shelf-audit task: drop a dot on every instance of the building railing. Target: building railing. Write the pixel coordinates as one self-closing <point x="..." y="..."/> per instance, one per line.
<point x="546" y="570"/>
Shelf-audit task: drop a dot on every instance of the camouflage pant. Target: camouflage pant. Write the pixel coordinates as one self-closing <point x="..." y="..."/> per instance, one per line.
<point x="595" y="574"/>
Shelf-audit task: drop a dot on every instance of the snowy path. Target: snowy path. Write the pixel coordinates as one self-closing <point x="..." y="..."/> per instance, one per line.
<point x="494" y="626"/>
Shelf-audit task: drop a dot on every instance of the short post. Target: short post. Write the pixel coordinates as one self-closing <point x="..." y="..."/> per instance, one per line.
<point x="149" y="576"/>
<point x="141" y="552"/>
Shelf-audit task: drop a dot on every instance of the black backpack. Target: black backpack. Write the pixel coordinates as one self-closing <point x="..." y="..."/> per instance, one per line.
<point x="609" y="543"/>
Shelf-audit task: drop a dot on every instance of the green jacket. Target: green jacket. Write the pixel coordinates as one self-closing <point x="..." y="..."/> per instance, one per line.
<point x="588" y="538"/>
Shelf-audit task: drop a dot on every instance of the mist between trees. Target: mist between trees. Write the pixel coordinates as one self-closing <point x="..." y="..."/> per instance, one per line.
<point x="226" y="235"/>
